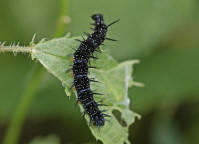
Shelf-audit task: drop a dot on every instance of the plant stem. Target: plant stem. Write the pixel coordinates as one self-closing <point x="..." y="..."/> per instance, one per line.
<point x="16" y="123"/>
<point x="15" y="49"/>
<point x="14" y="129"/>
<point x="61" y="22"/>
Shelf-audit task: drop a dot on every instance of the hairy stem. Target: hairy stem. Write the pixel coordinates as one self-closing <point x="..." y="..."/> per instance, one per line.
<point x="17" y="120"/>
<point x="15" y="49"/>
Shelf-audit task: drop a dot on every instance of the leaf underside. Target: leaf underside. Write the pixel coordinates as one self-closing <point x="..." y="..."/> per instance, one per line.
<point x="56" y="56"/>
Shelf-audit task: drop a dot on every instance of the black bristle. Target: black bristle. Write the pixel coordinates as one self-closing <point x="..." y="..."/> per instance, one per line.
<point x="93" y="67"/>
<point x="97" y="93"/>
<point x="79" y="40"/>
<point x="113" y="23"/>
<point x="68" y="70"/>
<point x="87" y="34"/>
<point x="83" y="37"/>
<point x="110" y="39"/>
<point x="93" y="57"/>
<point x="106" y="115"/>
<point x="94" y="81"/>
<point x="101" y="104"/>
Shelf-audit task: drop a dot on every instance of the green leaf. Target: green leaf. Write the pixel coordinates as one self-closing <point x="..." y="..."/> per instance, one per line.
<point x="56" y="56"/>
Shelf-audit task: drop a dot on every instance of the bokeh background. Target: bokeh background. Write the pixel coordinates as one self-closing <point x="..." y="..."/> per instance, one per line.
<point x="164" y="35"/>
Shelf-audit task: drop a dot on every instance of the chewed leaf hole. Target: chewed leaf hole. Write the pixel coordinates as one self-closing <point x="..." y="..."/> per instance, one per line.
<point x="117" y="114"/>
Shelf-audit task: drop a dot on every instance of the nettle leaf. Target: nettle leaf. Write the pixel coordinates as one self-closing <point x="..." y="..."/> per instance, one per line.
<point x="114" y="79"/>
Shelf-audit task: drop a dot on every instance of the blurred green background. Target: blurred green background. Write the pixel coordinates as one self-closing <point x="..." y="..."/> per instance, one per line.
<point x="164" y="35"/>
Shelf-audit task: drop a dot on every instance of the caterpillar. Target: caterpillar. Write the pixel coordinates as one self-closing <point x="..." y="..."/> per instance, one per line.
<point x="80" y="68"/>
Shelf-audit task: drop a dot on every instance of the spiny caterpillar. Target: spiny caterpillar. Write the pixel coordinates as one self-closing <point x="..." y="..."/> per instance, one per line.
<point x="82" y="55"/>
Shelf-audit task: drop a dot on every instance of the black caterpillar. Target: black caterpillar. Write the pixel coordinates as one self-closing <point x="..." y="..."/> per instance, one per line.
<point x="80" y="70"/>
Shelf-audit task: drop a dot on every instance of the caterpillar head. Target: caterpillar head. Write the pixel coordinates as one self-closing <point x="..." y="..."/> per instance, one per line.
<point x="98" y="18"/>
